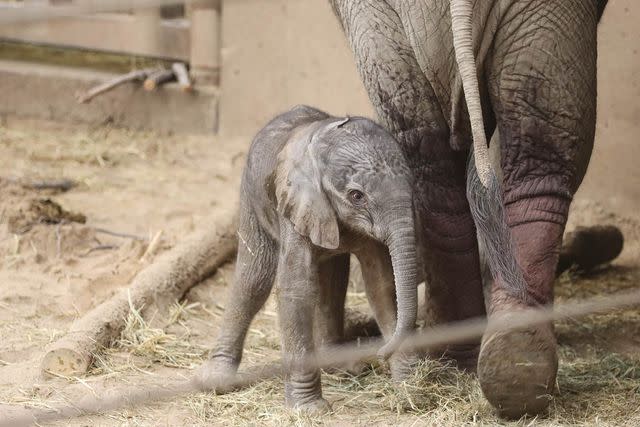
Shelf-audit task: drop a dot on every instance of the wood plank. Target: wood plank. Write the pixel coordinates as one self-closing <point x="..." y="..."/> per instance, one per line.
<point x="112" y="32"/>
<point x="14" y="12"/>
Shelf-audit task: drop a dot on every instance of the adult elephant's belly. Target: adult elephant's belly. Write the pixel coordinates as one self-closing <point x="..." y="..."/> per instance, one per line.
<point x="427" y="27"/>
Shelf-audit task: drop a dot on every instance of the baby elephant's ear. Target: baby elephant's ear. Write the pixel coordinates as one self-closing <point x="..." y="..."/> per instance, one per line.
<point x="301" y="198"/>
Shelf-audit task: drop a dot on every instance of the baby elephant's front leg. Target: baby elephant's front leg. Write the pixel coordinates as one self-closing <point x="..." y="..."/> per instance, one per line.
<point x="297" y="296"/>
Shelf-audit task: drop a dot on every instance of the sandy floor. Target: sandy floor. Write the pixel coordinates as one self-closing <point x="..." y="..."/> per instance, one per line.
<point x="140" y="184"/>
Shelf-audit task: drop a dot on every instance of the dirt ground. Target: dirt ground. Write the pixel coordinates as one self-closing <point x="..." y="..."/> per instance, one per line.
<point x="138" y="184"/>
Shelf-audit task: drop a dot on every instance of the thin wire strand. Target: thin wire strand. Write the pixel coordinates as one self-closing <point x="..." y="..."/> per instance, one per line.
<point x="433" y="337"/>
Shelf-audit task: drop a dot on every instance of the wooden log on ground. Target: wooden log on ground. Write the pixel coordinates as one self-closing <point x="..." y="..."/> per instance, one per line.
<point x="61" y="185"/>
<point x="53" y="184"/>
<point x="158" y="78"/>
<point x="133" y="76"/>
<point x="589" y="247"/>
<point x="182" y="75"/>
<point x="156" y="287"/>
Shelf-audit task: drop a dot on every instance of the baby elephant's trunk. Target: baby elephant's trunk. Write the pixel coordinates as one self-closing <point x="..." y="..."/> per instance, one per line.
<point x="402" y="248"/>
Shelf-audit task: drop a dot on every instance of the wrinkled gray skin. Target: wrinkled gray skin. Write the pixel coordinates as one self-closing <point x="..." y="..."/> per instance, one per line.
<point x="300" y="218"/>
<point x="536" y="64"/>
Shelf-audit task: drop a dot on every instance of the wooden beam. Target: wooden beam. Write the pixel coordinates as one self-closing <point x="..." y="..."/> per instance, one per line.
<point x="115" y="32"/>
<point x="15" y="12"/>
<point x="135" y="75"/>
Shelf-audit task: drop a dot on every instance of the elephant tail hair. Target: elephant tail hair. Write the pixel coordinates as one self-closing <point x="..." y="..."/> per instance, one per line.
<point x="493" y="232"/>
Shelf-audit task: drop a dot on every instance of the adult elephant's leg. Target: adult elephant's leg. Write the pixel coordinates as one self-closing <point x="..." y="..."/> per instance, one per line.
<point x="542" y="79"/>
<point x="407" y="105"/>
<point x="329" y="324"/>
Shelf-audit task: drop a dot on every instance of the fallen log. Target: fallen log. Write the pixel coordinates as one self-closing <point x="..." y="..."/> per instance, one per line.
<point x="156" y="287"/>
<point x="182" y="75"/>
<point x="157" y="78"/>
<point x="56" y="184"/>
<point x="136" y="75"/>
<point x="588" y="247"/>
<point x="61" y="185"/>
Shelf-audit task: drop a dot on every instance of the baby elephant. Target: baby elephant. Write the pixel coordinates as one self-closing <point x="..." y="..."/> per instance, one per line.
<point x="315" y="189"/>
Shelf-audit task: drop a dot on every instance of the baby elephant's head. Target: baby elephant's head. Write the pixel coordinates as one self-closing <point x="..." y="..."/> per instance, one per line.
<point x="351" y="174"/>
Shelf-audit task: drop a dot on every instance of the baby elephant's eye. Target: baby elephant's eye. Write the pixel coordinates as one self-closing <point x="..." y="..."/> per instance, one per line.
<point x="356" y="197"/>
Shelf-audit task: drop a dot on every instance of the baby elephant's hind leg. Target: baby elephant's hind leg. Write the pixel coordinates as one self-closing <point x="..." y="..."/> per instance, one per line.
<point x="255" y="273"/>
<point x="333" y="280"/>
<point x="333" y="277"/>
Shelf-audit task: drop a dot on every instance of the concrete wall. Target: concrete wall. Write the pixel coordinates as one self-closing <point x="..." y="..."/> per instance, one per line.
<point x="614" y="173"/>
<point x="279" y="53"/>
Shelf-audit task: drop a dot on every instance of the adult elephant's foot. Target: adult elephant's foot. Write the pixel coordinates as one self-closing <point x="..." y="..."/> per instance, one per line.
<point x="464" y="356"/>
<point x="517" y="369"/>
<point x="403" y="365"/>
<point x="352" y="369"/>
<point x="303" y="393"/>
<point x="216" y="374"/>
<point x="313" y="407"/>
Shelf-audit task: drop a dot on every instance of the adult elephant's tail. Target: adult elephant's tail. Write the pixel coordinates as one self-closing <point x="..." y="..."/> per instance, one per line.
<point x="483" y="189"/>
<point x="461" y="24"/>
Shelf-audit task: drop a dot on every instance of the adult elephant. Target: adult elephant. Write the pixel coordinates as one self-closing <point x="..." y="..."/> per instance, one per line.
<point x="536" y="64"/>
